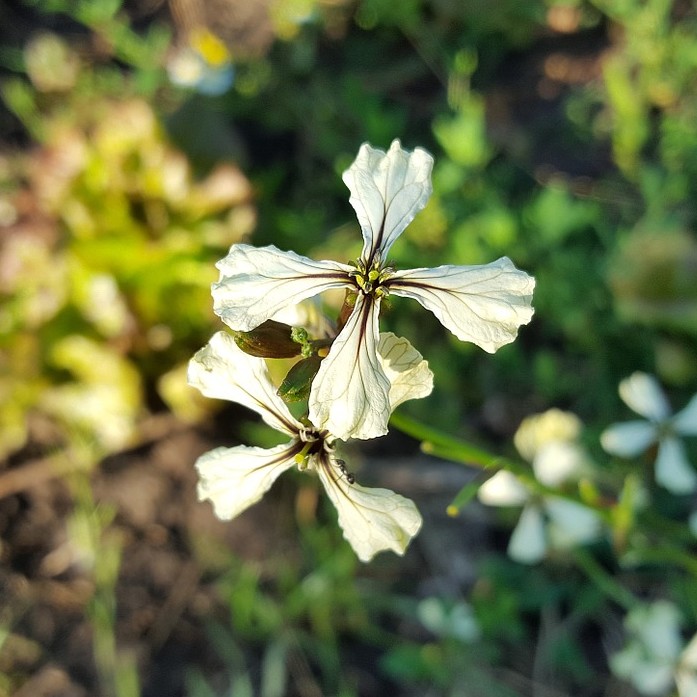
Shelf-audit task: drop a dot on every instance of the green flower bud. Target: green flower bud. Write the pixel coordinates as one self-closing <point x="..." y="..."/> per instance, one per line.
<point x="296" y="385"/>
<point x="269" y="340"/>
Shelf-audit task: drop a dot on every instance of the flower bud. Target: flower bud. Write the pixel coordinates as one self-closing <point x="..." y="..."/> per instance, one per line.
<point x="297" y="383"/>
<point x="270" y="339"/>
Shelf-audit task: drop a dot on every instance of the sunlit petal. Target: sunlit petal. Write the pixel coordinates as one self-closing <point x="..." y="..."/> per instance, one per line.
<point x="387" y="191"/>
<point x="405" y="368"/>
<point x="628" y="439"/>
<point x="642" y="393"/>
<point x="503" y="489"/>
<point x="257" y="282"/>
<point x="686" y="673"/>
<point x="673" y="469"/>
<point x="373" y="520"/>
<point x="685" y="421"/>
<point x="557" y="462"/>
<point x="223" y="371"/>
<point x="350" y="393"/>
<point x="528" y="543"/>
<point x="571" y="523"/>
<point x="483" y="304"/>
<point x="232" y="479"/>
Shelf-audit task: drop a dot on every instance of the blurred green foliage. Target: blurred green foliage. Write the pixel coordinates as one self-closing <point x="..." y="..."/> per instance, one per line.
<point x="565" y="137"/>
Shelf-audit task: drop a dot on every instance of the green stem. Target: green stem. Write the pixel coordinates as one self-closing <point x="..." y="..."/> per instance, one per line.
<point x="603" y="579"/>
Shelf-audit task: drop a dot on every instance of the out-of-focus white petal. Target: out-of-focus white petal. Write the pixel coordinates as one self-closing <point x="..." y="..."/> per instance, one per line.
<point x="537" y="430"/>
<point x="557" y="462"/>
<point x="232" y="479"/>
<point x="528" y="543"/>
<point x="570" y="523"/>
<point x="221" y="370"/>
<point x="649" y="657"/>
<point x="350" y="393"/>
<point x="483" y="304"/>
<point x="628" y="439"/>
<point x="673" y="469"/>
<point x="373" y="520"/>
<point x="650" y="678"/>
<point x="503" y="489"/>
<point x="258" y="282"/>
<point x="405" y="368"/>
<point x="642" y="393"/>
<point x="685" y="421"/>
<point x="686" y="673"/>
<point x="387" y="191"/>
<point x="657" y="627"/>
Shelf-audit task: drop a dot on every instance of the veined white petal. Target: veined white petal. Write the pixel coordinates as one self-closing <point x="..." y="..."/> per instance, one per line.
<point x="257" y="282"/>
<point x="642" y="393"/>
<point x="629" y="438"/>
<point x="570" y="523"/>
<point x="685" y="421"/>
<point x="350" y="393"/>
<point x="373" y="520"/>
<point x="673" y="469"/>
<point x="405" y="368"/>
<point x="387" y="191"/>
<point x="232" y="479"/>
<point x="221" y="370"/>
<point x="528" y="543"/>
<point x="483" y="304"/>
<point x="503" y="489"/>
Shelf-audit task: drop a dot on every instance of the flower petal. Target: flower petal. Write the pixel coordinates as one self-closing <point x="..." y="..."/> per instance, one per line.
<point x="232" y="479"/>
<point x="673" y="469"/>
<point x="387" y="191"/>
<point x="570" y="523"/>
<point x="350" y="393"/>
<point x="373" y="520"/>
<point x="223" y="371"/>
<point x="629" y="438"/>
<point x="686" y="673"/>
<point x="685" y="421"/>
<point x="257" y="282"/>
<point x="503" y="489"/>
<point x="528" y="543"/>
<point x="405" y="368"/>
<point x="642" y="393"/>
<point x="483" y="304"/>
<point x="558" y="461"/>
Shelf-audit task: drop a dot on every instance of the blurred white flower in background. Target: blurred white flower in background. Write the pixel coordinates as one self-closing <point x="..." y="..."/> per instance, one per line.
<point x="203" y="63"/>
<point x="549" y="441"/>
<point x="653" y="657"/>
<point x="642" y="393"/>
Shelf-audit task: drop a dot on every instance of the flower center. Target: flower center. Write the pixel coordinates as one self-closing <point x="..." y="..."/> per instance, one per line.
<point x="370" y="279"/>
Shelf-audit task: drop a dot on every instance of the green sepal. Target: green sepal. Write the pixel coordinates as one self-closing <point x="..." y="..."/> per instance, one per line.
<point x="297" y="383"/>
<point x="270" y="339"/>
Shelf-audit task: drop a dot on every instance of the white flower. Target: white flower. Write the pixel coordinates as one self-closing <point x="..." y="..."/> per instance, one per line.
<point x="548" y="440"/>
<point x="483" y="304"/>
<point x="234" y="478"/>
<point x="651" y="660"/>
<point x="642" y="393"/>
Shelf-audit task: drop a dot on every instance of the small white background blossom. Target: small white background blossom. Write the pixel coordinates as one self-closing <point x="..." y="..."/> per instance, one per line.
<point x="653" y="657"/>
<point x="548" y="440"/>
<point x="642" y="393"/>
